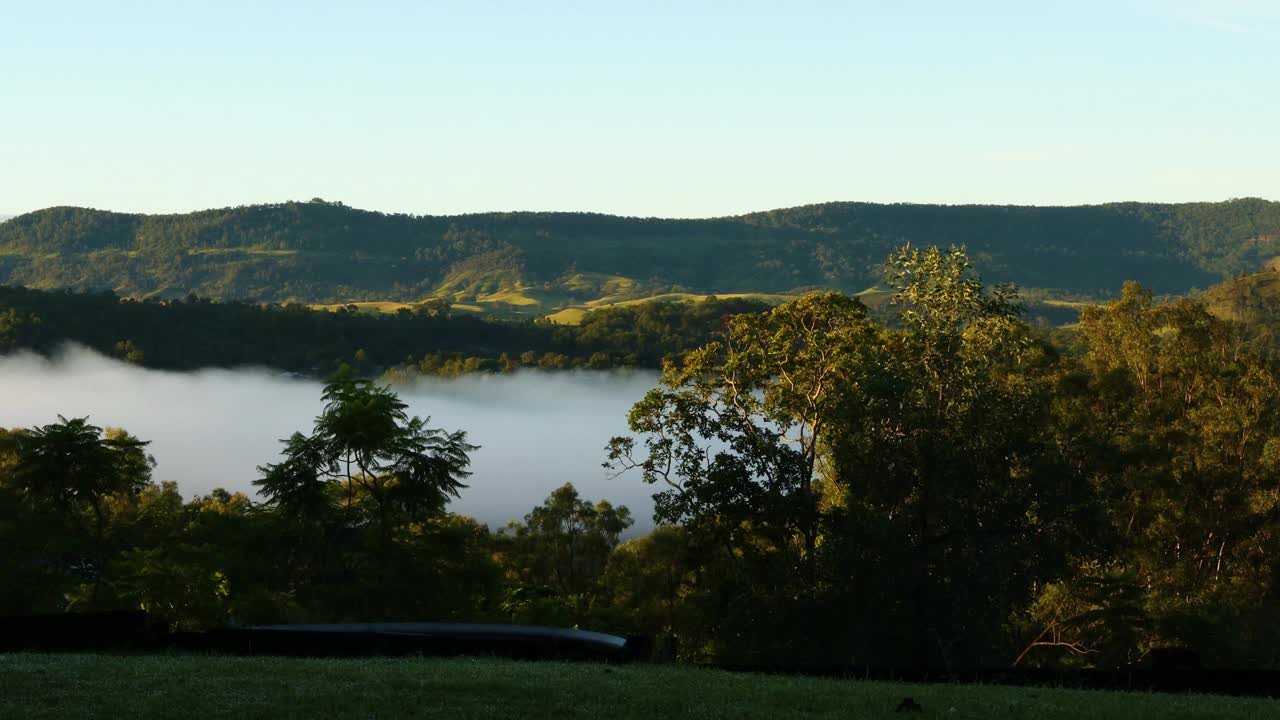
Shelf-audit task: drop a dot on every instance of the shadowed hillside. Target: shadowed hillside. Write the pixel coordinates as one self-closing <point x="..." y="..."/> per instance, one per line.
<point x="536" y="263"/>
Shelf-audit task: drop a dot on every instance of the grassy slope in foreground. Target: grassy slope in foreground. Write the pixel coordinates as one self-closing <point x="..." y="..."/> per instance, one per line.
<point x="63" y="686"/>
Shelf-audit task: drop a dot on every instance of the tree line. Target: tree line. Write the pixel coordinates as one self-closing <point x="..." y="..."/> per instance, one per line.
<point x="429" y="339"/>
<point x="947" y="489"/>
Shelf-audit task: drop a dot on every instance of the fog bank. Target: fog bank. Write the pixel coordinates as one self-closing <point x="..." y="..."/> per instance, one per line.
<point x="212" y="428"/>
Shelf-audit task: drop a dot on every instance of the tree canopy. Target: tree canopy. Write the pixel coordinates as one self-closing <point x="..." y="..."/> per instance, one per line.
<point x="932" y="484"/>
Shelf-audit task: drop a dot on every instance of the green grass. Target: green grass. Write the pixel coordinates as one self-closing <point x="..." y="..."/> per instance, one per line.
<point x="689" y="297"/>
<point x="562" y="309"/>
<point x="101" y="686"/>
<point x="370" y="307"/>
<point x="573" y="314"/>
<point x="556" y="306"/>
<point x="387" y="306"/>
<point x="241" y="251"/>
<point x="568" y="316"/>
<point x="516" y="296"/>
<point x="598" y="284"/>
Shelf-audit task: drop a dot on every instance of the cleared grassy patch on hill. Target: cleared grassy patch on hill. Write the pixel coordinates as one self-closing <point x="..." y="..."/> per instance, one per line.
<point x="1073" y="304"/>
<point x="1251" y="298"/>
<point x="373" y="307"/>
<point x="559" y="308"/>
<point x="599" y="284"/>
<point x="390" y="307"/>
<point x="101" y="686"/>
<point x="690" y="297"/>
<point x="543" y="303"/>
<point x="573" y="315"/>
<point x="241" y="251"/>
<point x="568" y="316"/>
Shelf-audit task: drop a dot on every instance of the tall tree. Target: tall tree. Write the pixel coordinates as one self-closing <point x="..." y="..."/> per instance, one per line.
<point x="1182" y="429"/>
<point x="949" y="489"/>
<point x="565" y="542"/>
<point x="734" y="432"/>
<point x="366" y="449"/>
<point x="76" y="468"/>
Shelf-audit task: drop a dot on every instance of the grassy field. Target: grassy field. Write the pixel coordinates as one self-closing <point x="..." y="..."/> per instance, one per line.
<point x="574" y="314"/>
<point x="101" y="686"/>
<point x="528" y="303"/>
<point x="240" y="251"/>
<point x="568" y="316"/>
<point x="560" y="309"/>
<point x="369" y="307"/>
<point x="387" y="306"/>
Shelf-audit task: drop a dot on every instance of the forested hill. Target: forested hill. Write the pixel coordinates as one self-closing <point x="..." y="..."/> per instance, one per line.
<point x="327" y="252"/>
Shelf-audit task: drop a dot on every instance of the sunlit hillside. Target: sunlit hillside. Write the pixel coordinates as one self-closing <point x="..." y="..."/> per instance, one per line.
<point x="532" y="264"/>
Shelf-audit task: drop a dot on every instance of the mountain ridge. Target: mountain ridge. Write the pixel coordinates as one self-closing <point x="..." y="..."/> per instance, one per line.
<point x="327" y="252"/>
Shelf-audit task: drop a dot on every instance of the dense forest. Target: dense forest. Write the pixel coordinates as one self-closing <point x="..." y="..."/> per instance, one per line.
<point x="944" y="488"/>
<point x="326" y="252"/>
<point x="193" y="333"/>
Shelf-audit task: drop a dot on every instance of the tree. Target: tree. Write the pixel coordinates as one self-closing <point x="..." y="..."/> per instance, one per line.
<point x="734" y="432"/>
<point x="366" y="447"/>
<point x="34" y="540"/>
<point x="129" y="352"/>
<point x="15" y="329"/>
<point x="566" y="542"/>
<point x="1180" y="428"/>
<point x="649" y="579"/>
<point x="76" y="468"/>
<point x="954" y="500"/>
<point x="839" y="463"/>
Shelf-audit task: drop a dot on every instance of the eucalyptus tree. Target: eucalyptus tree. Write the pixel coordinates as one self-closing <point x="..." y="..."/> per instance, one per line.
<point x="1191" y="422"/>
<point x="734" y="432"/>
<point x="953" y="496"/>
<point x="906" y="470"/>
<point x="734" y="436"/>
<point x="650" y="578"/>
<point x="564" y="543"/>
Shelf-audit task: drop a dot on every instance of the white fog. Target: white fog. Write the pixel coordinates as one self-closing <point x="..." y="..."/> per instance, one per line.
<point x="212" y="428"/>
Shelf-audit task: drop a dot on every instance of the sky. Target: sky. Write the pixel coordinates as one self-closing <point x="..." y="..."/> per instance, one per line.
<point x="673" y="109"/>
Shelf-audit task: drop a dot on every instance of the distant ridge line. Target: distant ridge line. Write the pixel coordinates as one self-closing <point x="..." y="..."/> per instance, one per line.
<point x="829" y="204"/>
<point x="537" y="263"/>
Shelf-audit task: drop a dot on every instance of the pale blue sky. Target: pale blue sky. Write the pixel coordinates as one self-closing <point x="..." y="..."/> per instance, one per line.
<point x="680" y="109"/>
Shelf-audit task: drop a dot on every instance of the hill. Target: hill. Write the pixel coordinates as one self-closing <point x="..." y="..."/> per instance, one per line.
<point x="1253" y="300"/>
<point x="1250" y="299"/>
<point x="526" y="263"/>
<point x="84" y="686"/>
<point x="187" y="334"/>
